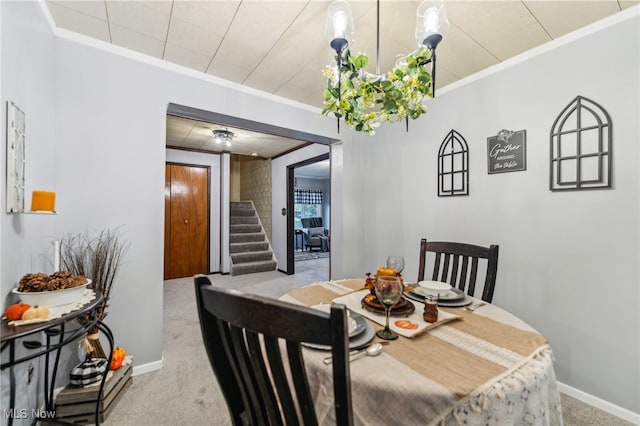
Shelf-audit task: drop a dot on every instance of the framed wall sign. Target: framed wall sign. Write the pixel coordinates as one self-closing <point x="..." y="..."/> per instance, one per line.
<point x="507" y="151"/>
<point x="15" y="158"/>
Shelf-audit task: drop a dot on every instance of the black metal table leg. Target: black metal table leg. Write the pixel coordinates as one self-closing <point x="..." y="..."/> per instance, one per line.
<point x="107" y="332"/>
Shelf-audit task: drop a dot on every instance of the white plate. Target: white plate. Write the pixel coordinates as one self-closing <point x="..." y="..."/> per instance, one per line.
<point x="352" y="324"/>
<point x="434" y="287"/>
<point x="457" y="303"/>
<point x="452" y="294"/>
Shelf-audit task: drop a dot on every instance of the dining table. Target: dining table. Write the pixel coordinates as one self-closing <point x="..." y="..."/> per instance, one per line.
<point x="481" y="366"/>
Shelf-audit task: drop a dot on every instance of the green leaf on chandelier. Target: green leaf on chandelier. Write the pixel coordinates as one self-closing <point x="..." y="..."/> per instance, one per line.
<point x="394" y="94"/>
<point x="361" y="61"/>
<point x="424" y="78"/>
<point x="390" y="105"/>
<point x="327" y="94"/>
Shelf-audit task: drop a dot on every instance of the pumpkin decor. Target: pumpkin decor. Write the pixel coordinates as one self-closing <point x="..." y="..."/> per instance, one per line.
<point x="36" y="312"/>
<point x="14" y="312"/>
<point x="117" y="358"/>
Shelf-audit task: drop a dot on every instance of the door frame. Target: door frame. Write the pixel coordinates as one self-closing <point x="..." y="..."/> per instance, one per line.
<point x="290" y="206"/>
<point x="208" y="169"/>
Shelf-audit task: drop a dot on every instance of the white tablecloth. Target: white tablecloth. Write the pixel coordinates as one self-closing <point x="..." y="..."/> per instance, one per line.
<point x="488" y="368"/>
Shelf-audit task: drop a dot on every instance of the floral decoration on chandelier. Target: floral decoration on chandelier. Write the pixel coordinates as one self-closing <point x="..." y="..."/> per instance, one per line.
<point x="366" y="100"/>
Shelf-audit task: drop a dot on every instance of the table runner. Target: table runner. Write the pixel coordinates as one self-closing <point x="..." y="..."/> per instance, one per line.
<point x="477" y="369"/>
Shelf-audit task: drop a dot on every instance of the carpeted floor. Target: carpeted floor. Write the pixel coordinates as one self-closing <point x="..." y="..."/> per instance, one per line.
<point x="184" y="391"/>
<point x="310" y="255"/>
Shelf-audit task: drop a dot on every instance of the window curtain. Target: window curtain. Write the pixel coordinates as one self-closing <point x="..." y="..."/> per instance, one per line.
<point x="307" y="196"/>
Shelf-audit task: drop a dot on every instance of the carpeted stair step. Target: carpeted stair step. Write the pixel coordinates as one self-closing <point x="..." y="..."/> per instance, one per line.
<point x="248" y="237"/>
<point x="248" y="247"/>
<point x="243" y="229"/>
<point x="242" y="208"/>
<point x="235" y="212"/>
<point x="252" y="256"/>
<point x="243" y="220"/>
<point x="252" y="267"/>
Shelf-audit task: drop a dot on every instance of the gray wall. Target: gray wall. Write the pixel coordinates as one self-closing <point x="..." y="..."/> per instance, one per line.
<point x="568" y="261"/>
<point x="26" y="78"/>
<point x="96" y="135"/>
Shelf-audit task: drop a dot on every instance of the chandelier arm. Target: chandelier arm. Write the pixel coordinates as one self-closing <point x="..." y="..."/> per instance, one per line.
<point x="433" y="72"/>
<point x="378" y="37"/>
<point x="339" y="86"/>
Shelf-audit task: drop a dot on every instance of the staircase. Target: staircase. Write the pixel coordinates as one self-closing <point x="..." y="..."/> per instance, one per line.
<point x="248" y="245"/>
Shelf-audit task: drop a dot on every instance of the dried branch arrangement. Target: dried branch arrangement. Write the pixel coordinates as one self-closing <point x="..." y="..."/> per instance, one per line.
<point x="98" y="258"/>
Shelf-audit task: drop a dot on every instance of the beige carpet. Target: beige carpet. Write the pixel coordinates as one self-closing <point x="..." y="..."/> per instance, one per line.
<point x="185" y="390"/>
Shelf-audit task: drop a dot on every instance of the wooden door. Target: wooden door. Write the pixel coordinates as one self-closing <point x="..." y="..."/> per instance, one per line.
<point x="186" y="236"/>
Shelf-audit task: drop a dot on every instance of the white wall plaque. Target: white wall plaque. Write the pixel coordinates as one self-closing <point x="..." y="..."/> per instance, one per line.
<point x="15" y="158"/>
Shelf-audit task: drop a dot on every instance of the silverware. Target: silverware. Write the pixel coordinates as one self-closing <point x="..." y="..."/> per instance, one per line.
<point x="373" y="350"/>
<point x="475" y="306"/>
<point x="328" y="360"/>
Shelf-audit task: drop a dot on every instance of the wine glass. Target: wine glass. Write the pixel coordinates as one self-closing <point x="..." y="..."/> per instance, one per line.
<point x="396" y="262"/>
<point x="388" y="292"/>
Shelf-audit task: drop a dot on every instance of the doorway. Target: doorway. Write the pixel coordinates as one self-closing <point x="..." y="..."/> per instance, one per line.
<point x="186" y="234"/>
<point x="309" y="204"/>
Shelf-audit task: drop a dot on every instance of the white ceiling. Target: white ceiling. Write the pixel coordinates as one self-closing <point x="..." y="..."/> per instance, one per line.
<point x="278" y="46"/>
<point x="184" y="133"/>
<point x="317" y="170"/>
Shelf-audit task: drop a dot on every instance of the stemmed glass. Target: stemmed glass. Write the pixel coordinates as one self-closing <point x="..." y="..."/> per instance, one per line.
<point x="388" y="292"/>
<point x="396" y="262"/>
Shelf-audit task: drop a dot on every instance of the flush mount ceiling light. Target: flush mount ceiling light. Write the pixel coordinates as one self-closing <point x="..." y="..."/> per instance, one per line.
<point x="223" y="135"/>
<point x="365" y="100"/>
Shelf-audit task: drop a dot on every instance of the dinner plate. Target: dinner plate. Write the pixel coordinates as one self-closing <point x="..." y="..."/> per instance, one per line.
<point x="457" y="303"/>
<point x="352" y="324"/>
<point x="451" y="295"/>
<point x="360" y="339"/>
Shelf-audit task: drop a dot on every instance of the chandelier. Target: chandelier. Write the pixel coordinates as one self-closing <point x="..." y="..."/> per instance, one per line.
<point x="223" y="135"/>
<point x="364" y="100"/>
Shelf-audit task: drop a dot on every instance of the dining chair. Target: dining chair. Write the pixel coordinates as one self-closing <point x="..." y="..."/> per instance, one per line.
<point x="254" y="345"/>
<point x="457" y="264"/>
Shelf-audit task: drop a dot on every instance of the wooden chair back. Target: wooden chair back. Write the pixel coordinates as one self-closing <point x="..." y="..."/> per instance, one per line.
<point x="457" y="264"/>
<point x="254" y="347"/>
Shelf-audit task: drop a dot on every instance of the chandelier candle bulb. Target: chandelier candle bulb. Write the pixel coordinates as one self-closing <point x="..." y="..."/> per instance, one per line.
<point x="339" y="29"/>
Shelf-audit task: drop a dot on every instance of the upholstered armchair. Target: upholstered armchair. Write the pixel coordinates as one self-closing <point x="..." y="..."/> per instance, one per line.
<point x="315" y="235"/>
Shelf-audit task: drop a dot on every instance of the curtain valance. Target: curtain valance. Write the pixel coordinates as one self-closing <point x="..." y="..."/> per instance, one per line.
<point x="308" y="196"/>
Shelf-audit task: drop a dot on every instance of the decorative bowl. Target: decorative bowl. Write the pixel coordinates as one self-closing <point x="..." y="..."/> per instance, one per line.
<point x="52" y="298"/>
<point x="434" y="288"/>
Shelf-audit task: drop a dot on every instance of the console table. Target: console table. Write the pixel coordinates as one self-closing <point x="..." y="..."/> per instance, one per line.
<point x="58" y="332"/>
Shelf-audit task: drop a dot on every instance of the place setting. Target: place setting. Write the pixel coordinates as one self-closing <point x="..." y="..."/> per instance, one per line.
<point x="361" y="332"/>
<point x="383" y="298"/>
<point x="449" y="297"/>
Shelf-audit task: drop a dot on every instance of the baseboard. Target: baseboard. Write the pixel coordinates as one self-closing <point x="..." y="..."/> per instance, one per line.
<point x="148" y="367"/>
<point x="601" y="404"/>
